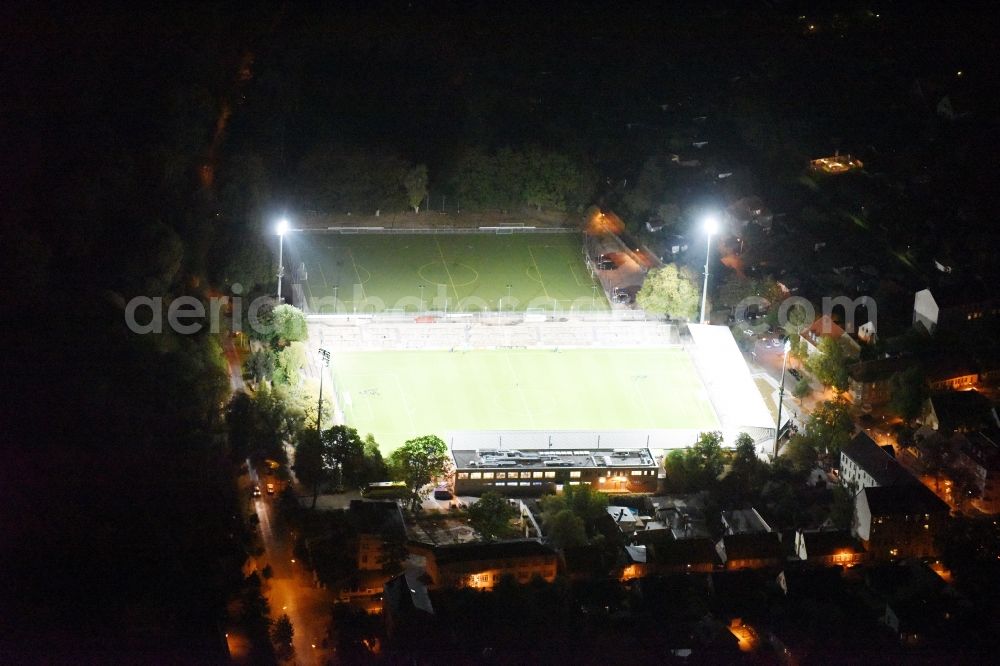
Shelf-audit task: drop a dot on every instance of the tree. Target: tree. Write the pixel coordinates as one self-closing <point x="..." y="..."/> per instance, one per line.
<point x="746" y="469"/>
<point x="491" y="516"/>
<point x="288" y="362"/>
<point x="289" y="324"/>
<point x="908" y="390"/>
<point x="281" y="635"/>
<point x="582" y="501"/>
<point x="671" y="290"/>
<point x="695" y="468"/>
<point x="310" y="466"/>
<point x="935" y="454"/>
<point x="343" y="450"/>
<point x="415" y="182"/>
<point x="260" y="365"/>
<point x="418" y="461"/>
<point x="374" y="467"/>
<point x="964" y="484"/>
<point x="801" y="453"/>
<point x="842" y="507"/>
<point x="566" y="529"/>
<point x="829" y="364"/>
<point x="802" y="388"/>
<point x="829" y="427"/>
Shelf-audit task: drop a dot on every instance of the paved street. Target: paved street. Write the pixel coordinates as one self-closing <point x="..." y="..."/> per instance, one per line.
<point x="291" y="589"/>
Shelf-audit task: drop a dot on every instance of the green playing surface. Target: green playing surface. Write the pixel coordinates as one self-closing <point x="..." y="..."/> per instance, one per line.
<point x="397" y="395"/>
<point x="468" y="272"/>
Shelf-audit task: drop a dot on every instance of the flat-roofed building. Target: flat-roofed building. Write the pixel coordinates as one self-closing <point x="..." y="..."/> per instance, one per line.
<point x="537" y="471"/>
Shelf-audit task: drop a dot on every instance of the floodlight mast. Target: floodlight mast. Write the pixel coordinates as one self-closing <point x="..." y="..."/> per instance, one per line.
<point x="711" y="226"/>
<point x="282" y="230"/>
<point x="781" y="395"/>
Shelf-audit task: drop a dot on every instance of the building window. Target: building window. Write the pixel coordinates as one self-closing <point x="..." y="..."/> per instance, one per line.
<point x="574" y="475"/>
<point x="487" y="475"/>
<point x="501" y="475"/>
<point x="637" y="472"/>
<point x="539" y="475"/>
<point x="550" y="475"/>
<point x="462" y="475"/>
<point x="475" y="475"/>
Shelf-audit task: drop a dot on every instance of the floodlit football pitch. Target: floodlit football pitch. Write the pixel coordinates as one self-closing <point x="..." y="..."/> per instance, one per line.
<point x="397" y="395"/>
<point x="469" y="272"/>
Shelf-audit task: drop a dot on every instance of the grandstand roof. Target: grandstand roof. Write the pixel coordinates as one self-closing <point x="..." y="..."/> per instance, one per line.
<point x="731" y="389"/>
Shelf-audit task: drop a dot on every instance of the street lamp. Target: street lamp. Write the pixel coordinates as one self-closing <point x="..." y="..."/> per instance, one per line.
<point x="282" y="228"/>
<point x="781" y="394"/>
<point x="711" y="226"/>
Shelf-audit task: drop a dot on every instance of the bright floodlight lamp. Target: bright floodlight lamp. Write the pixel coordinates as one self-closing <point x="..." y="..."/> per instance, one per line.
<point x="711" y="226"/>
<point x="282" y="230"/>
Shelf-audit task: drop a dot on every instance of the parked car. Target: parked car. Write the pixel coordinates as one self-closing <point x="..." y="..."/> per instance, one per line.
<point x="256" y="490"/>
<point x="442" y="494"/>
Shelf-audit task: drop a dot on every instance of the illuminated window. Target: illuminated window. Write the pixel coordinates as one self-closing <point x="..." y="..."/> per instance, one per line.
<point x="637" y="472"/>
<point x="487" y="475"/>
<point x="574" y="475"/>
<point x="513" y="475"/>
<point x="501" y="475"/>
<point x="463" y="475"/>
<point x="476" y="475"/>
<point x="550" y="475"/>
<point x="539" y="475"/>
<point x="600" y="479"/>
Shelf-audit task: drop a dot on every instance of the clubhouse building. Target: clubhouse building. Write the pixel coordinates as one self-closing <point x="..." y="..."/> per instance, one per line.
<point x="538" y="471"/>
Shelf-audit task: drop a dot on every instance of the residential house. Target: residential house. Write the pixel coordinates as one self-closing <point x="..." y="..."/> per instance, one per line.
<point x="918" y="607"/>
<point x="829" y="548"/>
<point x="898" y="521"/>
<point x="953" y="304"/>
<point x="950" y="373"/>
<point x="864" y="464"/>
<point x="744" y="521"/>
<point x="868" y="382"/>
<point x="979" y="452"/>
<point x="375" y="522"/>
<point x="825" y="327"/>
<point x="750" y="210"/>
<point x="627" y="521"/>
<point x="483" y="565"/>
<point x="959" y="411"/>
<point x="750" y="551"/>
<point x="682" y="556"/>
<point x="632" y="563"/>
<point x="407" y="609"/>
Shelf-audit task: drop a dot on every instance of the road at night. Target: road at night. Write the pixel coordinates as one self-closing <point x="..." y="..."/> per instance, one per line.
<point x="291" y="590"/>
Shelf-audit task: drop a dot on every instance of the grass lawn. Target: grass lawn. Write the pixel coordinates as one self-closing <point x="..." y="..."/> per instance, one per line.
<point x="397" y="395"/>
<point x="472" y="271"/>
<point x="767" y="392"/>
